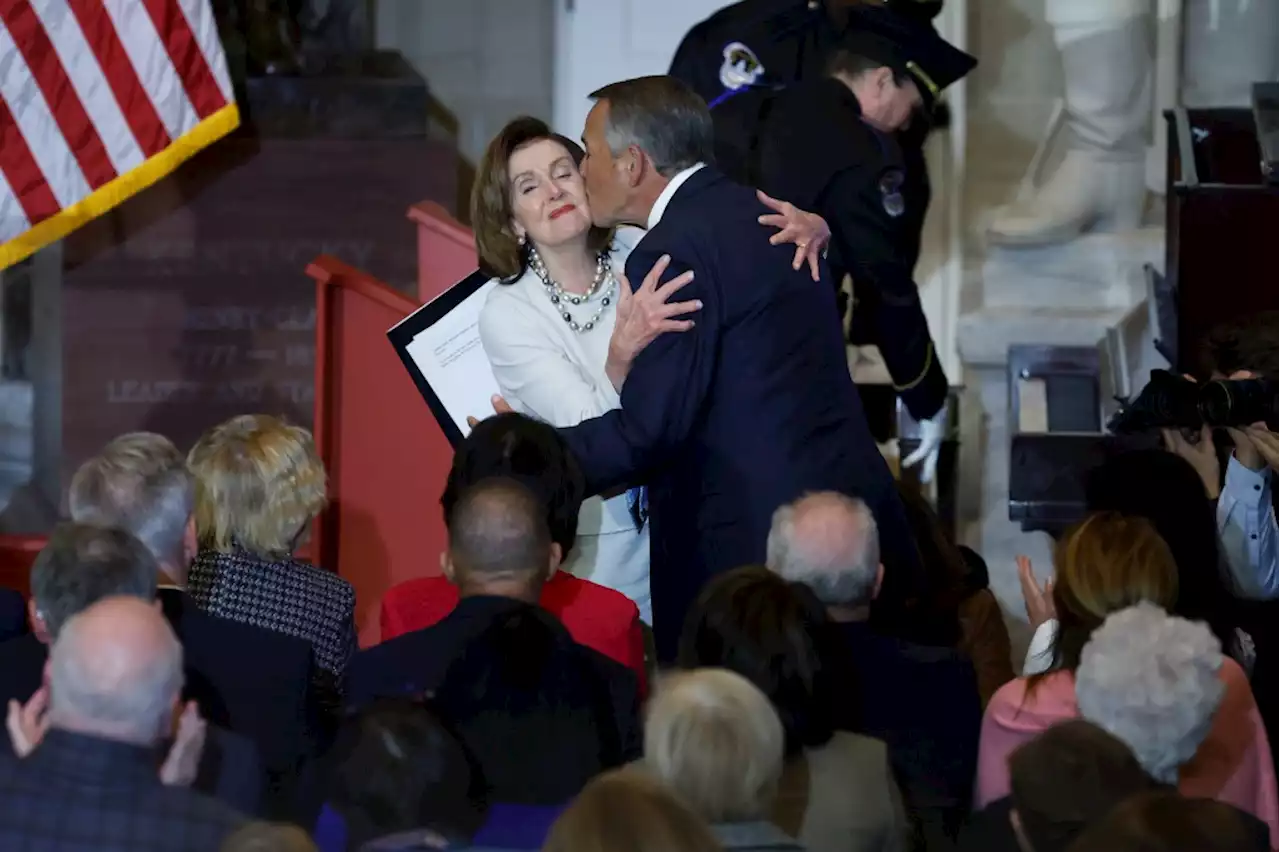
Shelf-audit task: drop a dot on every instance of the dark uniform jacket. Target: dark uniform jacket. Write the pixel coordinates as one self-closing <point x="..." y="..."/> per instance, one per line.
<point x="757" y="45"/>
<point x="748" y="410"/>
<point x="818" y="153"/>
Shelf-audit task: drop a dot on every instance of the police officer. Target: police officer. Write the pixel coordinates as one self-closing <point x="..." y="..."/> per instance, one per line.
<point x="754" y="46"/>
<point x="828" y="145"/>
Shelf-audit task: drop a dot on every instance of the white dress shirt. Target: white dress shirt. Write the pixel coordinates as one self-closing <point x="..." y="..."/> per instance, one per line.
<point x="1247" y="531"/>
<point x="547" y="370"/>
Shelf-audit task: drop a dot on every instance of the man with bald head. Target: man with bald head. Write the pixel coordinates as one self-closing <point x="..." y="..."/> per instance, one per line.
<point x="500" y="555"/>
<point x="93" y="783"/>
<point x="921" y="700"/>
<point x="828" y="542"/>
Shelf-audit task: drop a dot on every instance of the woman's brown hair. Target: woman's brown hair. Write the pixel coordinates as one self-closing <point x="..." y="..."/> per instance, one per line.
<point x="1104" y="564"/>
<point x="501" y="254"/>
<point x="629" y="809"/>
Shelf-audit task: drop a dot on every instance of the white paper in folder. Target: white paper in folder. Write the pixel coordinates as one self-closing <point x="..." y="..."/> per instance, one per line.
<point x="439" y="345"/>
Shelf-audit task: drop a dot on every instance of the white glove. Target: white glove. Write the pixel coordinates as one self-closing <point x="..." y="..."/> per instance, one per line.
<point x="931" y="434"/>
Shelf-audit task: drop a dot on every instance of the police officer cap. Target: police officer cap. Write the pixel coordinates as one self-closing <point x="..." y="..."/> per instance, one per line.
<point x="908" y="45"/>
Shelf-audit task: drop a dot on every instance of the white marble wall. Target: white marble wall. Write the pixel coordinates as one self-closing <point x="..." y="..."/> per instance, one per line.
<point x="485" y="60"/>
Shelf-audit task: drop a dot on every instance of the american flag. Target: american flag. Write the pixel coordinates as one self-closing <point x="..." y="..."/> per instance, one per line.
<point x="99" y="99"/>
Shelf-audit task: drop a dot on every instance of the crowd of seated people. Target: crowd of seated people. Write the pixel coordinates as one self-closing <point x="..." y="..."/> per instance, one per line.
<point x="180" y="679"/>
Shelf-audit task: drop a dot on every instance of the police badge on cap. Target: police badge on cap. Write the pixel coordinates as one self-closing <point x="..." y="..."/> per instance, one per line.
<point x="741" y="66"/>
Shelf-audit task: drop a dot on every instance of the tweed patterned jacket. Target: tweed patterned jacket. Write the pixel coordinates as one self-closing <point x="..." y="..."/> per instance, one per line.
<point x="285" y="595"/>
<point x="78" y="793"/>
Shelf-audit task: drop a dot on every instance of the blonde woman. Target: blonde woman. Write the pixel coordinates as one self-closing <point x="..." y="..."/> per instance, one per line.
<point x="259" y="484"/>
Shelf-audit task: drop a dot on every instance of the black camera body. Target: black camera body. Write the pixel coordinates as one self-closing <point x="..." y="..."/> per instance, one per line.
<point x="1170" y="401"/>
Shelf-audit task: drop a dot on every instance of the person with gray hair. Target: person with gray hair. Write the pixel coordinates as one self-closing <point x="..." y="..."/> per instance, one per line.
<point x="140" y="483"/>
<point x="115" y="677"/>
<point x="828" y="542"/>
<point x="1153" y="681"/>
<point x="80" y="565"/>
<point x="115" y="672"/>
<point x="753" y="404"/>
<point x="713" y="737"/>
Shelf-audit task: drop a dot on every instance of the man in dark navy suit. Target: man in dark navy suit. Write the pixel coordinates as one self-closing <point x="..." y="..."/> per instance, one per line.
<point x="754" y="405"/>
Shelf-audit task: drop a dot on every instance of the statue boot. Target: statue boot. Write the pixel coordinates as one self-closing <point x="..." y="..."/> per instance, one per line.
<point x="1100" y="184"/>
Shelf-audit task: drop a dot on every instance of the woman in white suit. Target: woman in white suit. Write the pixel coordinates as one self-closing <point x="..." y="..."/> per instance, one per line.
<point x="563" y="328"/>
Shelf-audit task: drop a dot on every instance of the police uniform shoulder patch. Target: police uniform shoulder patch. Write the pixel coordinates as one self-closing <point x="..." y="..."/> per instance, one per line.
<point x="741" y="66"/>
<point x="891" y="193"/>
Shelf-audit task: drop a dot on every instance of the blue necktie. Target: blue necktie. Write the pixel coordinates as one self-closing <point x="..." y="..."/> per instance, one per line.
<point x="638" y="504"/>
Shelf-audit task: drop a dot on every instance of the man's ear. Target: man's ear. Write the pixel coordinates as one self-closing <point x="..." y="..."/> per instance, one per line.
<point x="446" y="566"/>
<point x="46" y="674"/>
<point x="557" y="557"/>
<point x="190" y="542"/>
<point x="875" y="590"/>
<point x="636" y="163"/>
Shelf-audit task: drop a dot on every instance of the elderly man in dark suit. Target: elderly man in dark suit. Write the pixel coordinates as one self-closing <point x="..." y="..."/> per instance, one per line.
<point x="754" y="405"/>
<point x="92" y="782"/>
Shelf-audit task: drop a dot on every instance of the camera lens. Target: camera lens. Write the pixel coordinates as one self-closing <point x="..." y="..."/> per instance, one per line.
<point x="1238" y="402"/>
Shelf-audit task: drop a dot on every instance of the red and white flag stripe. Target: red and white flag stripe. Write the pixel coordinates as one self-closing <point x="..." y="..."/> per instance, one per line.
<point x="98" y="100"/>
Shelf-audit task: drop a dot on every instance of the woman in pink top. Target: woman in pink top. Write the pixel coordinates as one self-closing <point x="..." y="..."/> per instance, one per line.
<point x="1106" y="564"/>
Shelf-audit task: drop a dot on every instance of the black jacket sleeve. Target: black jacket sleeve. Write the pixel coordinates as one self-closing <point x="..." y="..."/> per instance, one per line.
<point x="866" y="238"/>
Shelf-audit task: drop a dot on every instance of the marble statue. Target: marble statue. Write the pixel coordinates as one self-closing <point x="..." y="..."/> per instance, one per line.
<point x="1112" y="80"/>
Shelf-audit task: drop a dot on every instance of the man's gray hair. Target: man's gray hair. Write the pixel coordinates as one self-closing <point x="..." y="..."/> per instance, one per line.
<point x="830" y="543"/>
<point x="139" y="483"/>
<point x="126" y="693"/>
<point x="81" y="564"/>
<point x="661" y="116"/>
<point x="1153" y="681"/>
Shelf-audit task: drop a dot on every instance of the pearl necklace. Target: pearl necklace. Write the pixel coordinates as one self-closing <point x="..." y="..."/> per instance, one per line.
<point x="604" y="284"/>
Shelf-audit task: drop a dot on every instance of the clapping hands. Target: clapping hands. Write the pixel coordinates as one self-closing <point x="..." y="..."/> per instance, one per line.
<point x="1038" y="599"/>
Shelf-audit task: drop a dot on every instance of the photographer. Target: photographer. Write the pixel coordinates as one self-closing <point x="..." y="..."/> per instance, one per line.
<point x="1246" y="505"/>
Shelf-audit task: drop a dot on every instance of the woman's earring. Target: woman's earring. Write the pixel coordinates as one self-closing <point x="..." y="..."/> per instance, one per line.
<point x="523" y="239"/>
